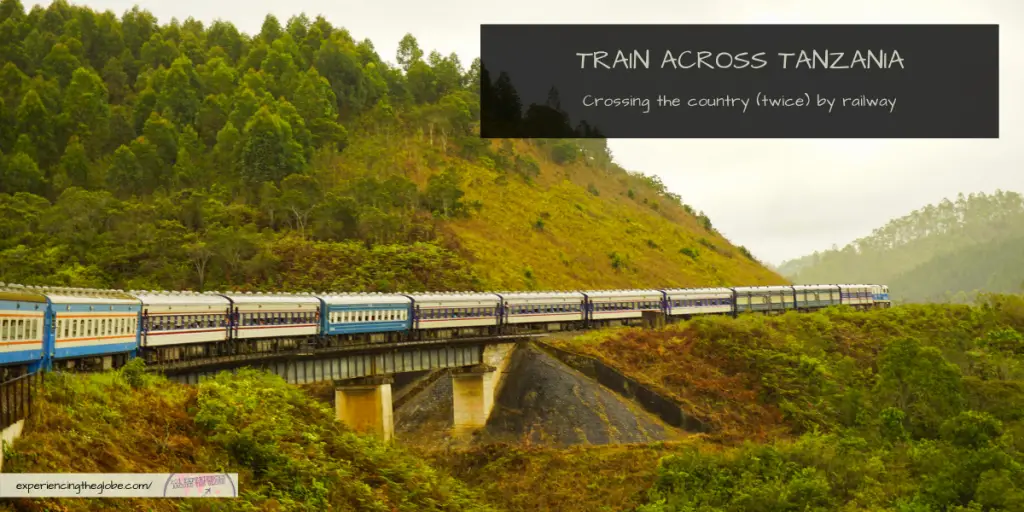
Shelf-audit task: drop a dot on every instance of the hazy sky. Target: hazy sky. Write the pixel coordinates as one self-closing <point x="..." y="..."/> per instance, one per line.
<point x="747" y="187"/>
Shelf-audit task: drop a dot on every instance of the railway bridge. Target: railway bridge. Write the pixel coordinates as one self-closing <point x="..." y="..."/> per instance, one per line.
<point x="363" y="375"/>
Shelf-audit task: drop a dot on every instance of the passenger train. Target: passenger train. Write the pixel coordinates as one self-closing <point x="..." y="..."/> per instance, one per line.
<point x="67" y="328"/>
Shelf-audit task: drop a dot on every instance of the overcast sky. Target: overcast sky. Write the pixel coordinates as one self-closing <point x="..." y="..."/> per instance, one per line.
<point x="747" y="187"/>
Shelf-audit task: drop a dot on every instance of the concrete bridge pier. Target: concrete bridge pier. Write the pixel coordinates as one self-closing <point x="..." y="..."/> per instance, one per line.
<point x="364" y="404"/>
<point x="473" y="395"/>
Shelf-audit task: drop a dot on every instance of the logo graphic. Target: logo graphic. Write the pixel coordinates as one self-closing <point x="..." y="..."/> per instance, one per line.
<point x="200" y="485"/>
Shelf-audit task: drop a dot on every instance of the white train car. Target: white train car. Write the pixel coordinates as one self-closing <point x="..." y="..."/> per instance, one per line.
<point x="261" y="316"/>
<point x="772" y="299"/>
<point x="95" y="327"/>
<point x="857" y="295"/>
<point x="816" y="296"/>
<point x="475" y="312"/>
<point x="532" y="309"/>
<point x="606" y="305"/>
<point x="698" y="301"/>
<point x="177" y="323"/>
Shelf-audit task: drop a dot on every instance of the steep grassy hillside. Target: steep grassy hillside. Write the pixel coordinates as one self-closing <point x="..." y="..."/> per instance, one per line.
<point x="944" y="251"/>
<point x="137" y="155"/>
<point x="287" y="448"/>
<point x="580" y="226"/>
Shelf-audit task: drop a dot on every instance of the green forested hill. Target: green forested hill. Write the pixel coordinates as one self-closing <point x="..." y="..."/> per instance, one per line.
<point x="942" y="252"/>
<point x="185" y="155"/>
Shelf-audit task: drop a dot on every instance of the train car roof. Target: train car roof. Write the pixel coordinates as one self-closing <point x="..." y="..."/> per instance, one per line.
<point x="365" y="298"/>
<point x="541" y="295"/>
<point x="774" y="288"/>
<point x="17" y="292"/>
<point x="620" y="293"/>
<point x="271" y="298"/>
<point x="453" y="296"/>
<point x="164" y="297"/>
<point x="815" y="286"/>
<point x="698" y="290"/>
<point x="65" y="295"/>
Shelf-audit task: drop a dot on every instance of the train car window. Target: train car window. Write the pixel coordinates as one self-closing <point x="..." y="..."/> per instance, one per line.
<point x="35" y="329"/>
<point x="21" y="330"/>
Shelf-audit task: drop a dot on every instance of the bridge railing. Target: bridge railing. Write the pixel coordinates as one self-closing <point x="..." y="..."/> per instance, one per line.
<point x="16" y="398"/>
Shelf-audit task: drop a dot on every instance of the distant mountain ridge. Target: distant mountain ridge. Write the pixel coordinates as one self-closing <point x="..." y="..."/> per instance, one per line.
<point x="945" y="251"/>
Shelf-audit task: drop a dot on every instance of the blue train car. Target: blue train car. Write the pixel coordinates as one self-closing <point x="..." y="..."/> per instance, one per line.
<point x="357" y="315"/>
<point x="92" y="328"/>
<point x="23" y="322"/>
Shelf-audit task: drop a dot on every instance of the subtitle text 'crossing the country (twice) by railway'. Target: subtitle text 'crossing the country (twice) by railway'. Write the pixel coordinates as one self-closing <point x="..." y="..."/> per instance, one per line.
<point x="745" y="103"/>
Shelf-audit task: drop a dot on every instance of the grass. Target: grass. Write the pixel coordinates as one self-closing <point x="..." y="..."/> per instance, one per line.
<point x="576" y="226"/>
<point x="760" y="377"/>
<point x="287" y="448"/>
<point x="581" y="478"/>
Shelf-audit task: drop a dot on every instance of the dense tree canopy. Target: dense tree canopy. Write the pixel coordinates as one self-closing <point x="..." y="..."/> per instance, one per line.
<point x="298" y="138"/>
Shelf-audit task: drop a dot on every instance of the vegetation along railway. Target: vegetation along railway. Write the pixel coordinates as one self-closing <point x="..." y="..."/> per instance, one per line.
<point x="75" y="328"/>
